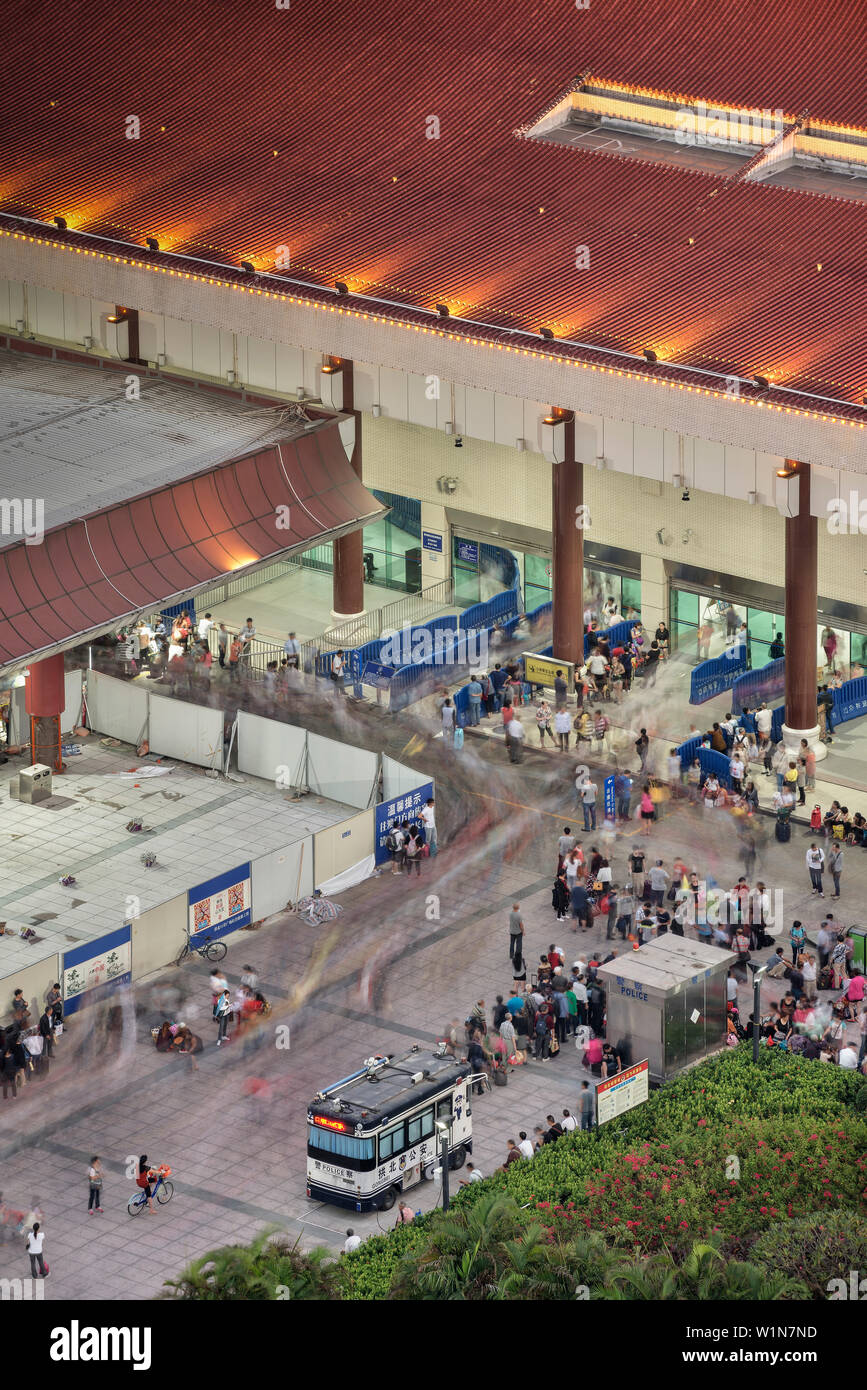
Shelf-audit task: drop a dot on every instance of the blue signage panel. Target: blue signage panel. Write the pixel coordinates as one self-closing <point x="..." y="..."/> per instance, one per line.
<point x="96" y="969"/>
<point x="378" y="674"/>
<point x="610" y="804"/>
<point x="221" y="905"/>
<point x="407" y="807"/>
<point x="431" y="541"/>
<point x="468" y="551"/>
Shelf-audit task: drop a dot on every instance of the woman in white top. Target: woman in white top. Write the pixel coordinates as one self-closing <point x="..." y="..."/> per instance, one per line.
<point x="448" y="714"/>
<point x="711" y="791"/>
<point x="572" y="865"/>
<point x="35" y="1241"/>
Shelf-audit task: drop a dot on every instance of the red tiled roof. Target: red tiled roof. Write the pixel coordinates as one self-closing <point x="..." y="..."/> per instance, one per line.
<point x="141" y="554"/>
<point x="477" y="218"/>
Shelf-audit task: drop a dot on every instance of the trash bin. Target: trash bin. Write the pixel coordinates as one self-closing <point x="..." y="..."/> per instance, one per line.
<point x="412" y="571"/>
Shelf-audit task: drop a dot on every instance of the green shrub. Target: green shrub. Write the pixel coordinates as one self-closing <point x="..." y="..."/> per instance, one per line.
<point x="816" y="1248"/>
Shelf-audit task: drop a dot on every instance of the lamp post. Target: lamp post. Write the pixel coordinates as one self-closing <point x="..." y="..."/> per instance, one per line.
<point x="443" y="1129"/>
<point x="758" y="973"/>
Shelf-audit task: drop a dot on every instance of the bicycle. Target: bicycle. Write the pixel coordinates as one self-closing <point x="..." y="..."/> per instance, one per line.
<point x="163" y="1191"/>
<point x="208" y="950"/>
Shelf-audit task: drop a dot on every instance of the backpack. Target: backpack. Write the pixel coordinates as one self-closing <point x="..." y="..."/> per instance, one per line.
<point x="392" y="843"/>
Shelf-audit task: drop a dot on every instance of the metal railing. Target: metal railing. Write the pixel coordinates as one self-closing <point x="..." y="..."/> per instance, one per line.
<point x="230" y="588"/>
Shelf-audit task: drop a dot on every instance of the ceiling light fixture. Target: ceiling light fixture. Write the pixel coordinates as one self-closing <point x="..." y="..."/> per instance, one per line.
<point x="762" y="383"/>
<point x="443" y="311"/>
<point x="249" y="267"/>
<point x="151" y="243"/>
<point x="546" y="333"/>
<point x="341" y="287"/>
<point x="60" y="223"/>
<point x="649" y="354"/>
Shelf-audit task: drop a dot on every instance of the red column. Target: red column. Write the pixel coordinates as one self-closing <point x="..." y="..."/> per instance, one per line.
<point x="348" y="577"/>
<point x="44" y="699"/>
<point x="567" y="582"/>
<point x="801" y="608"/>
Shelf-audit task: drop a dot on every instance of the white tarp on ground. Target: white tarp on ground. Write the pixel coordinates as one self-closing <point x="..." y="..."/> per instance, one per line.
<point x="150" y="770"/>
<point x="356" y="873"/>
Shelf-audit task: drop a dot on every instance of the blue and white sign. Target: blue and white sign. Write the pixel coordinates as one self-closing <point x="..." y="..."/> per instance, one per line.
<point x="407" y="807"/>
<point x="378" y="674"/>
<point x="610" y="803"/>
<point x="221" y="905"/>
<point x="431" y="541"/>
<point x="96" y="969"/>
<point x="468" y="551"/>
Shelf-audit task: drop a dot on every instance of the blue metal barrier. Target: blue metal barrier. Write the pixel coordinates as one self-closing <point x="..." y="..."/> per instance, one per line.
<point x="759" y="686"/>
<point x="710" y="678"/>
<point x="617" y="636"/>
<point x="688" y="751"/>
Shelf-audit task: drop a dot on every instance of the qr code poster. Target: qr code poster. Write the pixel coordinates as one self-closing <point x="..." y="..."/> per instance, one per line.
<point x="221" y="905"/>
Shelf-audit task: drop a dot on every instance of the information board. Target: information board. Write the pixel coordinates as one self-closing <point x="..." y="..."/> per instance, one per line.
<point x="96" y="969"/>
<point x="541" y="670"/>
<point x="622" y="1092"/>
<point x="402" y="808"/>
<point x="431" y="540"/>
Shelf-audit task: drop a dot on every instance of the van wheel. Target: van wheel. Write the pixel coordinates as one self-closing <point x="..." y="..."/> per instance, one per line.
<point x="457" y="1157"/>
<point x="388" y="1199"/>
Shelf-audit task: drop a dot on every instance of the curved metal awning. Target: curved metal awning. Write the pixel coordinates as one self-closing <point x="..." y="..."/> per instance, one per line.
<point x="163" y="546"/>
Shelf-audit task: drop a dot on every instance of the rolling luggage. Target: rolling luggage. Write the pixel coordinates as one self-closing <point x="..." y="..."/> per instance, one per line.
<point x="783" y="831"/>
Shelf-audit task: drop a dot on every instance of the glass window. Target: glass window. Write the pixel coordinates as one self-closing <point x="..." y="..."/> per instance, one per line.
<point x="345" y="1145"/>
<point x="444" y="1109"/>
<point x="419" y="1128"/>
<point x="392" y="1141"/>
<point x="684" y="607"/>
<point x="857" y="651"/>
<point x="631" y="595"/>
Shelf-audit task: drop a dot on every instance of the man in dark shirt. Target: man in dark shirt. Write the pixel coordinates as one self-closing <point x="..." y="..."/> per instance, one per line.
<point x="553" y="1132"/>
<point x="498" y="680"/>
<point x="561" y="690"/>
<point x="580" y="905"/>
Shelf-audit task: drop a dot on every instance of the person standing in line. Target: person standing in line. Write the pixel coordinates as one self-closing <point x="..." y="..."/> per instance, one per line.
<point x="562" y="727"/>
<point x="587" y="791"/>
<point x="474" y="692"/>
<point x="647" y="811"/>
<point x="222" y="644"/>
<point x="338" y="666"/>
<point x="586" y="1105"/>
<point x="815" y="864"/>
<point x="428" y="817"/>
<point x="95" y="1175"/>
<point x="412" y="848"/>
<point x="46" y="1030"/>
<point x="835" y="867"/>
<point x="543" y="722"/>
<point x="516" y="933"/>
<point x="35" y="1243"/>
<point x="222" y="1014"/>
<point x="235" y="651"/>
<point x="448" y="715"/>
<point x="642" y="748"/>
<point x="292" y="651"/>
<point x="561" y="691"/>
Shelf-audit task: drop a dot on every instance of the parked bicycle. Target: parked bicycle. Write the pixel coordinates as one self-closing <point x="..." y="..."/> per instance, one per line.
<point x="163" y="1191"/>
<point x="207" y="949"/>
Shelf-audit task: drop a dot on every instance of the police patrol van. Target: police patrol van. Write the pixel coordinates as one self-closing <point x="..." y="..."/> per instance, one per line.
<point x="378" y="1132"/>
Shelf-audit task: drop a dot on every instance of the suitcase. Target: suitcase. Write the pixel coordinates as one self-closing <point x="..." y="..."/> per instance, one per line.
<point x="459" y="737"/>
<point x="783" y="831"/>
